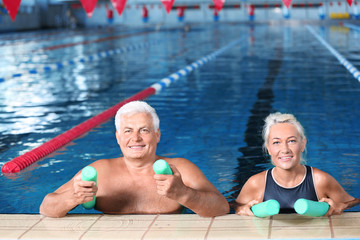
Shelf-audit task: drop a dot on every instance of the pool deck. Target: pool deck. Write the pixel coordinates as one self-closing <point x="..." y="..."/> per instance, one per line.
<point x="184" y="226"/>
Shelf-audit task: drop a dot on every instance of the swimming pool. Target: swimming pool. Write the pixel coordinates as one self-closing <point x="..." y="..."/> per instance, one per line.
<point x="213" y="116"/>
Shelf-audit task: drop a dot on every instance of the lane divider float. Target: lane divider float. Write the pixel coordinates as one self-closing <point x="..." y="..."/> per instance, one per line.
<point x="351" y="68"/>
<point x="352" y="26"/>
<point x="165" y="82"/>
<point x="93" y="57"/>
<point x="23" y="161"/>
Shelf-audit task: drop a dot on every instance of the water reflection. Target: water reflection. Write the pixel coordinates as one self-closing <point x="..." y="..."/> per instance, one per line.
<point x="253" y="159"/>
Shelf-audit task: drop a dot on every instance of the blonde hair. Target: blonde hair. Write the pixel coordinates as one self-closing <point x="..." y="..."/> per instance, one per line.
<point x="275" y="118"/>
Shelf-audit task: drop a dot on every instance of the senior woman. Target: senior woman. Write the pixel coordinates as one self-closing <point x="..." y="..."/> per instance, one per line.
<point x="290" y="179"/>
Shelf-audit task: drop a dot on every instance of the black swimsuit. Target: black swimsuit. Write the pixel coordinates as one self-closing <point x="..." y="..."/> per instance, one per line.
<point x="288" y="196"/>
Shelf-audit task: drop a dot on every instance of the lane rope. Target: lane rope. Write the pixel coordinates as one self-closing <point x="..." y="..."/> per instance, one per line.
<point x="352" y="26"/>
<point x="23" y="161"/>
<point x="351" y="68"/>
<point x="165" y="82"/>
<point x="84" y="59"/>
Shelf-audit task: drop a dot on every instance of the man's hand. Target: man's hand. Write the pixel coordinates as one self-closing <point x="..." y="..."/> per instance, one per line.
<point x="83" y="191"/>
<point x="170" y="186"/>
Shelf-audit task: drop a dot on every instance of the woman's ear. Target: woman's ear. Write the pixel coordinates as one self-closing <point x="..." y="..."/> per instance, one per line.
<point x="267" y="150"/>
<point x="304" y="141"/>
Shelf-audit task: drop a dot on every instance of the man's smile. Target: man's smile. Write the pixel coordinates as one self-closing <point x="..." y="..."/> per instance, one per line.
<point x="137" y="147"/>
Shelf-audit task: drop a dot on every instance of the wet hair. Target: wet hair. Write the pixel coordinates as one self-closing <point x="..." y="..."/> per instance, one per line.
<point x="136" y="107"/>
<point x="275" y="118"/>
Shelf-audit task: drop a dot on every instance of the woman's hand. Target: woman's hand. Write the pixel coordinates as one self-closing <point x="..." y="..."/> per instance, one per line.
<point x="245" y="210"/>
<point x="335" y="208"/>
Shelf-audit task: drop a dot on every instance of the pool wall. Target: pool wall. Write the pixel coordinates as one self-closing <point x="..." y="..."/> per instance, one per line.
<point x="53" y="14"/>
<point x="288" y="226"/>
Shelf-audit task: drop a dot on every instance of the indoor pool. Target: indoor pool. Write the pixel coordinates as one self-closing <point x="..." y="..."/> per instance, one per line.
<point x="212" y="116"/>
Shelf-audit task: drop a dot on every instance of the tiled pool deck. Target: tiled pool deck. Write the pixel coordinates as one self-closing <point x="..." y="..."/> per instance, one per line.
<point x="185" y="226"/>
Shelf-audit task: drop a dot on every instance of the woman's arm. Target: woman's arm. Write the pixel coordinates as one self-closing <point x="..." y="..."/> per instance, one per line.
<point x="251" y="193"/>
<point x="329" y="190"/>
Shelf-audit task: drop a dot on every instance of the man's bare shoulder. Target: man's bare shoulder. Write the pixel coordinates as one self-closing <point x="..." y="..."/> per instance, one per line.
<point x="182" y="164"/>
<point x="177" y="160"/>
<point x="106" y="162"/>
<point x="107" y="165"/>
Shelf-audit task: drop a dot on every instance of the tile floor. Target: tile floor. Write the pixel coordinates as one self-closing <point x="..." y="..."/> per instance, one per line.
<point x="185" y="226"/>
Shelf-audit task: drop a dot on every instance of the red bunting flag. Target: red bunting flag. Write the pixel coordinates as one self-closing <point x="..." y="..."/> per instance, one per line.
<point x="12" y="6"/>
<point x="219" y="4"/>
<point x="168" y="4"/>
<point x="287" y="3"/>
<point x="119" y="5"/>
<point x="89" y="6"/>
<point x="349" y="2"/>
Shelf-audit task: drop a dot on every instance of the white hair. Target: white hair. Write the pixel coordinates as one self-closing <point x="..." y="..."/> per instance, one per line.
<point x="136" y="107"/>
<point x="275" y="118"/>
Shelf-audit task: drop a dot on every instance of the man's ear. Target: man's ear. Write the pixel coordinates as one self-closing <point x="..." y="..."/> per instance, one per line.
<point x="158" y="136"/>
<point x="117" y="137"/>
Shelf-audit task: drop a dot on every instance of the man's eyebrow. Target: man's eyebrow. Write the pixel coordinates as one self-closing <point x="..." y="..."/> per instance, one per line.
<point x="275" y="138"/>
<point x="139" y="127"/>
<point x="286" y="138"/>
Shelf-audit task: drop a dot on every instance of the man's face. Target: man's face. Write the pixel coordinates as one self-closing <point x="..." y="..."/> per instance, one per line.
<point x="137" y="137"/>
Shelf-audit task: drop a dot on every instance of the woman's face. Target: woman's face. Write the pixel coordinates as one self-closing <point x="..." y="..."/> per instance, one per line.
<point x="285" y="145"/>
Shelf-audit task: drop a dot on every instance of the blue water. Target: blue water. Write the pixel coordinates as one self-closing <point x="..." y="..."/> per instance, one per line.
<point x="212" y="117"/>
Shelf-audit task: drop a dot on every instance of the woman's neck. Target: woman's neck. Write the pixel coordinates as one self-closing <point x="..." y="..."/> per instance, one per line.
<point x="289" y="177"/>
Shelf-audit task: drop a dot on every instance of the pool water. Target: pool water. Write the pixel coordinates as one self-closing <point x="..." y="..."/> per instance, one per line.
<point x="213" y="116"/>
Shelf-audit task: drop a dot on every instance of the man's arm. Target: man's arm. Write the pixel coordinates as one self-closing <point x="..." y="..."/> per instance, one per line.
<point x="67" y="197"/>
<point x="192" y="190"/>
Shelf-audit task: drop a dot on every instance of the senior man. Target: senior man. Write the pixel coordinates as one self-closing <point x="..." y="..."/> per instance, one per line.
<point x="128" y="184"/>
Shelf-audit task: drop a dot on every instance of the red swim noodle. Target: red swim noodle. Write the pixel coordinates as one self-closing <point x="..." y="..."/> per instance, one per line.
<point x="20" y="162"/>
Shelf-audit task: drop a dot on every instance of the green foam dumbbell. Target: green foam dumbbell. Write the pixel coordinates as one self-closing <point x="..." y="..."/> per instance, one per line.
<point x="89" y="174"/>
<point x="162" y="167"/>
<point x="267" y="208"/>
<point x="311" y="208"/>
